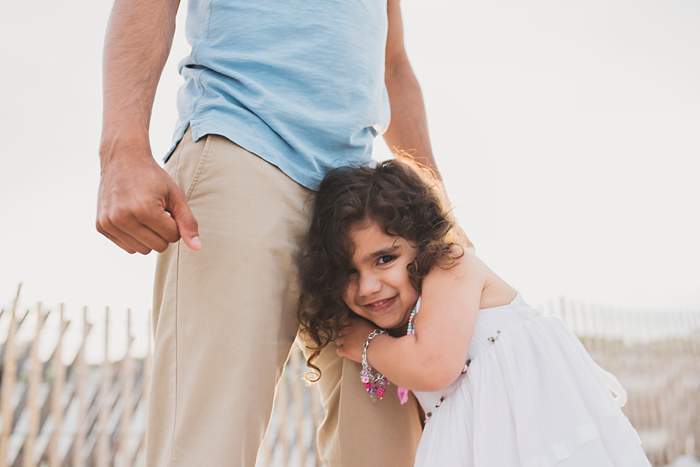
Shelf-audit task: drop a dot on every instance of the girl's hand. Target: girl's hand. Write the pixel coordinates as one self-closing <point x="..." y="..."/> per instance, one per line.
<point x="351" y="339"/>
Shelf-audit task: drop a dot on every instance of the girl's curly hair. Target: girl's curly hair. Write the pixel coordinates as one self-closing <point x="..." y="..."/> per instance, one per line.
<point x="404" y="200"/>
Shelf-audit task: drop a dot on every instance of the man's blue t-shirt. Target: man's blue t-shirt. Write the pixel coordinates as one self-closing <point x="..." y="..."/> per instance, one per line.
<point x="300" y="83"/>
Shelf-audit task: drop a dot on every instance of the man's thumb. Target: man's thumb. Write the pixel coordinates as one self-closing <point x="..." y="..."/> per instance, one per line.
<point x="186" y="223"/>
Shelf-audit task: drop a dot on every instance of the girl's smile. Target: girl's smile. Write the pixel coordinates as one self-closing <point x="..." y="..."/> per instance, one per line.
<point x="379" y="288"/>
<point x="381" y="305"/>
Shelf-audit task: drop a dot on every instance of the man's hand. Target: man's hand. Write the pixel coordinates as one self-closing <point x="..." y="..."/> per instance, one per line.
<point x="352" y="338"/>
<point x="141" y="208"/>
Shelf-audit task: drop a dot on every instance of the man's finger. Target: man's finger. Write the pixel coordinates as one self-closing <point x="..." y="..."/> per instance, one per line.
<point x="163" y="225"/>
<point x="118" y="242"/>
<point x="185" y="220"/>
<point x="154" y="228"/>
<point x="145" y="236"/>
<point x="107" y="228"/>
<point x="129" y="241"/>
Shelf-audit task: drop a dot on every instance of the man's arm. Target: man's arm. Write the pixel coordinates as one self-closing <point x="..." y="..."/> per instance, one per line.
<point x="140" y="207"/>
<point x="407" y="134"/>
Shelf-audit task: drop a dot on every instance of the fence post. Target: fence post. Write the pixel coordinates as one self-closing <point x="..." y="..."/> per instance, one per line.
<point x="81" y="380"/>
<point x="127" y="377"/>
<point x="35" y="367"/>
<point x="9" y="375"/>
<point x="58" y="373"/>
<point x="103" y="435"/>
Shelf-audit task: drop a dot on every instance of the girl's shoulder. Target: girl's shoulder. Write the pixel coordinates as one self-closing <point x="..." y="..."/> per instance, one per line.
<point x="470" y="271"/>
<point x="464" y="266"/>
<point x="465" y="271"/>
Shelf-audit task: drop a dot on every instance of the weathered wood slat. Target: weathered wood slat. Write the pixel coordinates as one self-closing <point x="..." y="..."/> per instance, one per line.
<point x="8" y="375"/>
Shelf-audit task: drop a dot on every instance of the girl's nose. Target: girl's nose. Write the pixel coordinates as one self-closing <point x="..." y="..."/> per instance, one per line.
<point x="369" y="285"/>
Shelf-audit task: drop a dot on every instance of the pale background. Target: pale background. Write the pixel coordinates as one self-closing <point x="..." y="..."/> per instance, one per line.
<point x="568" y="134"/>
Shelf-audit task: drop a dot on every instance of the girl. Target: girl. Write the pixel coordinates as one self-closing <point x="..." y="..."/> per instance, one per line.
<point x="385" y="278"/>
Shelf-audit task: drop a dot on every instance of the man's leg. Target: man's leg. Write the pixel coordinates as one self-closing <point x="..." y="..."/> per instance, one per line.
<point x="355" y="431"/>
<point x="224" y="317"/>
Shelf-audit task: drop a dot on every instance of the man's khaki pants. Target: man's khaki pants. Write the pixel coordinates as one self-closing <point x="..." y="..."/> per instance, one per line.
<point x="225" y="318"/>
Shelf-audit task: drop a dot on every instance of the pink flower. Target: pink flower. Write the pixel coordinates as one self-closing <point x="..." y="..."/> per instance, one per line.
<point x="403" y="395"/>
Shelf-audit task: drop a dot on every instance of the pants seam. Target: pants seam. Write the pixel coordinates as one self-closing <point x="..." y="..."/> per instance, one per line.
<point x="175" y="389"/>
<point x="198" y="168"/>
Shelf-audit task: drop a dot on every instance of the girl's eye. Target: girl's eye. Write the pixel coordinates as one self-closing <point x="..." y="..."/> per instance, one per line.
<point x="385" y="259"/>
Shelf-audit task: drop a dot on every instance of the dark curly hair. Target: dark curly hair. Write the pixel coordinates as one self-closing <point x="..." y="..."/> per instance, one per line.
<point x="404" y="200"/>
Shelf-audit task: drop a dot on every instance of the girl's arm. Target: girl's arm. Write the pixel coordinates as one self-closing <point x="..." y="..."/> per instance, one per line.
<point x="434" y="356"/>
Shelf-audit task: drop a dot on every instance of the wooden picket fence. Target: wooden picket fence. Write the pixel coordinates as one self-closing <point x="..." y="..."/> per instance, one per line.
<point x="656" y="356"/>
<point x="68" y="398"/>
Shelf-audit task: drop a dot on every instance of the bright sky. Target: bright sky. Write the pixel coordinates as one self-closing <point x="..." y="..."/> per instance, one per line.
<point x="567" y="132"/>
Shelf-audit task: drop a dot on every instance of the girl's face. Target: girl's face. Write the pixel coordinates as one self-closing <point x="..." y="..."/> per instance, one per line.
<point x="379" y="287"/>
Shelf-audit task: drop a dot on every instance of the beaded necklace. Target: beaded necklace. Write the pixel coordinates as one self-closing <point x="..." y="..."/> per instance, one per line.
<point x="410" y="330"/>
<point x="375" y="382"/>
<point x="403" y="392"/>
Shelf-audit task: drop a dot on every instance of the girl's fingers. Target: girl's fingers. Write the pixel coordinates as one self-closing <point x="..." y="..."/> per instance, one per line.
<point x="339" y="346"/>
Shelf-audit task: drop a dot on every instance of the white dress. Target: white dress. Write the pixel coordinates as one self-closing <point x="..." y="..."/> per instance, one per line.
<point x="531" y="396"/>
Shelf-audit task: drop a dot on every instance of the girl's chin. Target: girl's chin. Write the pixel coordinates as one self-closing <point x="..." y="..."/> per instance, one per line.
<point x="385" y="325"/>
<point x="391" y="323"/>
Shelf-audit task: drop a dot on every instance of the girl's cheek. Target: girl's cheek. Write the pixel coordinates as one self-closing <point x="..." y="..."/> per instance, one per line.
<point x="347" y="296"/>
